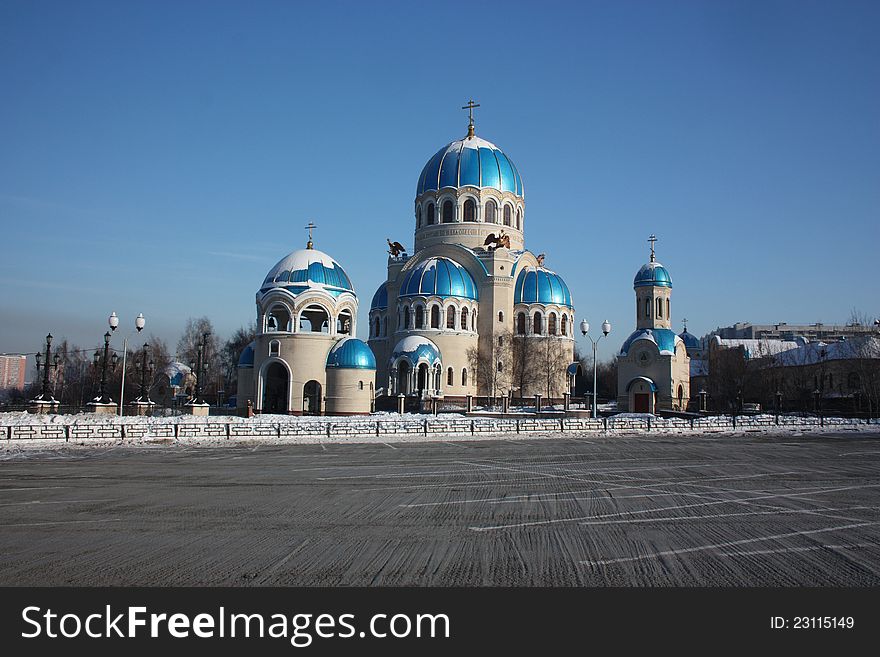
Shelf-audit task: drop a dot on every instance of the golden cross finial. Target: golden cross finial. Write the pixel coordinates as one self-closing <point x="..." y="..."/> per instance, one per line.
<point x="309" y="228"/>
<point x="470" y="108"/>
<point x="685" y="322"/>
<point x="652" y="240"/>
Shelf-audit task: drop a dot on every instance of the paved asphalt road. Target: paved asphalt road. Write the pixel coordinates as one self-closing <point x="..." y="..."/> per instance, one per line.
<point x="745" y="510"/>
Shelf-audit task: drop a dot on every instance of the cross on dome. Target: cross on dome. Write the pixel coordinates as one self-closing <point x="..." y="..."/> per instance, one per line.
<point x="652" y="239"/>
<point x="309" y="227"/>
<point x="470" y="108"/>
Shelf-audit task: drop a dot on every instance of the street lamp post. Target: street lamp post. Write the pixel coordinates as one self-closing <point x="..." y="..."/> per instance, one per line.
<point x="45" y="396"/>
<point x="145" y="369"/>
<point x="139" y="323"/>
<point x="585" y="329"/>
<point x="200" y="367"/>
<point x="103" y="397"/>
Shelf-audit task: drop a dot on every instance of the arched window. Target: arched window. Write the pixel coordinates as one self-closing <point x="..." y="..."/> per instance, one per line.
<point x="435" y="316"/>
<point x="537" y="328"/>
<point x="668" y="314"/>
<point x="464" y="376"/>
<point x="680" y="395"/>
<point x="500" y="366"/>
<point x="464" y="319"/>
<point x="278" y="319"/>
<point x="491" y="212"/>
<point x="430" y="217"/>
<point x="521" y="324"/>
<point x="564" y="324"/>
<point x="360" y="385"/>
<point x="659" y="308"/>
<point x="647" y="308"/>
<point x="274" y="348"/>
<point x="376" y="328"/>
<point x="406" y="317"/>
<point x="450" y="317"/>
<point x="551" y="324"/>
<point x="500" y="340"/>
<point x="448" y="212"/>
<point x="420" y="317"/>
<point x="506" y="215"/>
<point x="419" y="218"/>
<point x="449" y="376"/>
<point x="315" y="319"/>
<point x="470" y="210"/>
<point x="518" y="219"/>
<point x="500" y="315"/>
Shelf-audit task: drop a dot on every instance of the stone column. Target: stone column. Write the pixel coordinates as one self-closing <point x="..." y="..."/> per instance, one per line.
<point x="537" y="403"/>
<point x="566" y="396"/>
<point x="505" y="404"/>
<point x="400" y="399"/>
<point x="470" y="402"/>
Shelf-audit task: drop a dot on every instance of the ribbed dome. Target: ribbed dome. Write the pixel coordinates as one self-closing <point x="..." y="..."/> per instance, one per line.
<point x="439" y="277"/>
<point x="690" y="341"/>
<point x="247" y="356"/>
<point x="470" y="161"/>
<point x="665" y="339"/>
<point x="416" y="348"/>
<point x="653" y="274"/>
<point x="380" y="299"/>
<point x="539" y="285"/>
<point x="308" y="269"/>
<point x="353" y="354"/>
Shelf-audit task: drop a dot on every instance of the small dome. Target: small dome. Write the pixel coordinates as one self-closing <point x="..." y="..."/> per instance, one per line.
<point x="470" y="161"/>
<point x="353" y="354"/>
<point x="247" y="355"/>
<point x="415" y="348"/>
<point x="653" y="274"/>
<point x="177" y="373"/>
<point x="440" y="277"/>
<point x="307" y="269"/>
<point x="380" y="299"/>
<point x="665" y="339"/>
<point x="690" y="341"/>
<point x="539" y="285"/>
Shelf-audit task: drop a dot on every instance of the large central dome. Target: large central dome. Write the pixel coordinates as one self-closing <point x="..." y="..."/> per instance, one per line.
<point x="470" y="161"/>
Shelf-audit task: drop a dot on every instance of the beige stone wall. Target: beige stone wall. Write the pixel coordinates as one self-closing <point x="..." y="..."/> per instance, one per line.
<point x="651" y="320"/>
<point x="306" y="357"/>
<point x="667" y="373"/>
<point x="246" y="390"/>
<point x="349" y="391"/>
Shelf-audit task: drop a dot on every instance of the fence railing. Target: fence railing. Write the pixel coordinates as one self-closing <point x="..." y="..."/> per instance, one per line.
<point x="117" y="428"/>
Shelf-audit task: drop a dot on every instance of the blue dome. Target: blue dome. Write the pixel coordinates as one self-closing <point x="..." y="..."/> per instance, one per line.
<point x="653" y="274"/>
<point x="539" y="285"/>
<point x="380" y="299"/>
<point x="440" y="277"/>
<point x="308" y="269"/>
<point x="470" y="161"/>
<point x="352" y="354"/>
<point x="690" y="341"/>
<point x="247" y="356"/>
<point x="665" y="339"/>
<point x="416" y="348"/>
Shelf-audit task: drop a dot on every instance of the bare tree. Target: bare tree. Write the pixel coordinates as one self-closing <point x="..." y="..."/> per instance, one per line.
<point x="492" y="366"/>
<point x="187" y="346"/>
<point x="552" y="363"/>
<point x="231" y="352"/>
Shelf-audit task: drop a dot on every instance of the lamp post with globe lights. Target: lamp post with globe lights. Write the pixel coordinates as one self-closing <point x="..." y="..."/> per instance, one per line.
<point x="139" y="323"/>
<point x="197" y="405"/>
<point x="102" y="402"/>
<point x="585" y="329"/>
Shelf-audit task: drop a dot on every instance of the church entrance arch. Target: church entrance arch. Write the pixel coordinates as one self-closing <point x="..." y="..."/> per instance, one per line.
<point x="275" y="389"/>
<point x="423" y="379"/>
<point x="312" y="398"/>
<point x="403" y="376"/>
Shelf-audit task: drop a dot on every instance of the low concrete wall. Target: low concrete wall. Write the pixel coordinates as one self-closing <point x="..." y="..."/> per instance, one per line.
<point x="330" y="428"/>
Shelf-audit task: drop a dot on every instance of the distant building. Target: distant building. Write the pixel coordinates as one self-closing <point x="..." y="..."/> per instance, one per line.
<point x="12" y="371"/>
<point x="783" y="331"/>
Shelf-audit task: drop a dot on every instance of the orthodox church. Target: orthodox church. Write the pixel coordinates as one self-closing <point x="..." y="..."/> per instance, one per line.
<point x="653" y="367"/>
<point x="445" y="310"/>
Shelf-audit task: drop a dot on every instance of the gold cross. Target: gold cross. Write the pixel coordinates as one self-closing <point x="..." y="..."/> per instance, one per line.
<point x="470" y="108"/>
<point x="685" y="322"/>
<point x="652" y="239"/>
<point x="310" y="227"/>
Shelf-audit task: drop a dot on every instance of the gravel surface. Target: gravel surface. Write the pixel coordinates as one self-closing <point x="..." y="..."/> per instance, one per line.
<point x="735" y="510"/>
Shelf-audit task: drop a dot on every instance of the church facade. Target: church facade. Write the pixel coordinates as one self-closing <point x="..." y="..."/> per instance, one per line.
<point x="451" y="316"/>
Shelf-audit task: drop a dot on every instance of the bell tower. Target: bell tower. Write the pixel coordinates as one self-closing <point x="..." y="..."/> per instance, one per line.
<point x="653" y="287"/>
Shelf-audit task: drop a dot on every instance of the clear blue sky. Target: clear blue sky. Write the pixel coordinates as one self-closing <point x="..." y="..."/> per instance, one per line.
<point x="160" y="157"/>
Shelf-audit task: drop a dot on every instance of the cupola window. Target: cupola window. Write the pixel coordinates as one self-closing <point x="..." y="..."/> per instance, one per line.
<point x="659" y="308"/>
<point x="435" y="316"/>
<point x="450" y="317"/>
<point x="430" y="217"/>
<point x="537" y="327"/>
<point x="564" y="324"/>
<point x="420" y="317"/>
<point x="470" y="210"/>
<point x="491" y="212"/>
<point x="464" y="319"/>
<point x="551" y="324"/>
<point x="519" y="219"/>
<point x="419" y="218"/>
<point x="448" y="212"/>
<point x="521" y="324"/>
<point x="506" y="215"/>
